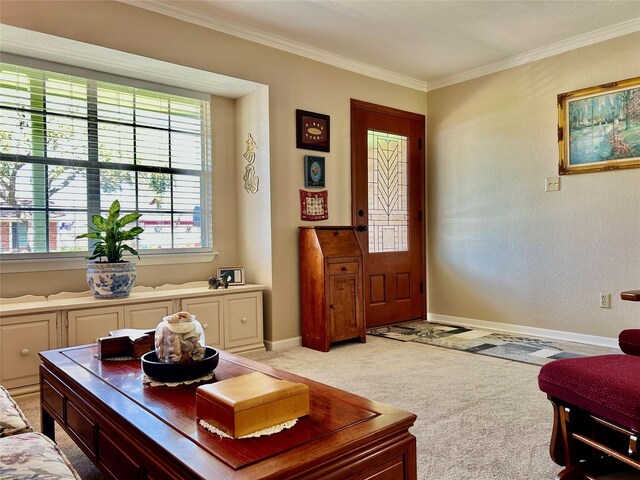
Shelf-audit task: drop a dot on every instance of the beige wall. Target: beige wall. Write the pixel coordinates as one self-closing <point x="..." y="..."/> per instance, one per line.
<point x="501" y="248"/>
<point x="254" y="209"/>
<point x="294" y="82"/>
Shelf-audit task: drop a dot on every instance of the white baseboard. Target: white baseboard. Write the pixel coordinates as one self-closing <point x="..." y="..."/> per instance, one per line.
<point x="521" y="329"/>
<point x="285" y="344"/>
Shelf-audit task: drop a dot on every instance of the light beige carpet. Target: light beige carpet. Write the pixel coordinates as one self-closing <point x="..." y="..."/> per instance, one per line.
<point x="479" y="417"/>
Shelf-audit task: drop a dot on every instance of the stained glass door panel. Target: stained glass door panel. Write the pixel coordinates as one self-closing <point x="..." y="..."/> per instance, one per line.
<point x="387" y="192"/>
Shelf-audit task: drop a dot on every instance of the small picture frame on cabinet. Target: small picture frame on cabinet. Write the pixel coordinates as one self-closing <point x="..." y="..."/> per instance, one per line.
<point x="235" y="275"/>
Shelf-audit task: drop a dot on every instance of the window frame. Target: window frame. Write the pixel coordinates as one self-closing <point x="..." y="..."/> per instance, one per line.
<point x="93" y="165"/>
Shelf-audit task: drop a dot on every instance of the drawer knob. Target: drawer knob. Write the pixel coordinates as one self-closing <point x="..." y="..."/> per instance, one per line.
<point x="25" y="352"/>
<point x="244" y="320"/>
<point x="205" y="325"/>
<point x="344" y="269"/>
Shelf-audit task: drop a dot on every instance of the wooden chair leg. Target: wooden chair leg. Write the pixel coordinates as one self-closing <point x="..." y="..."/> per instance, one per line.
<point x="556" y="446"/>
<point x="562" y="448"/>
<point x="576" y="472"/>
<point x="567" y="439"/>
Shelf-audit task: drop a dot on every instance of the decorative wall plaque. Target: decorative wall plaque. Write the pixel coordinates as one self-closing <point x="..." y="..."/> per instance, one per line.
<point x="313" y="205"/>
<point x="312" y="131"/>
<point x="314" y="173"/>
<point x="251" y="180"/>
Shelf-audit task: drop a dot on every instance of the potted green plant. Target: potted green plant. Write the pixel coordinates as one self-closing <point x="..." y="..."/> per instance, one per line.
<point x="115" y="277"/>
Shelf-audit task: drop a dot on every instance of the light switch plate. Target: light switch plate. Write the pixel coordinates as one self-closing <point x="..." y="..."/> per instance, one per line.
<point x="552" y="184"/>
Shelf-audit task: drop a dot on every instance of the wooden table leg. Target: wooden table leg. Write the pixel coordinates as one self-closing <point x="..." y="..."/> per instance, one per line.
<point x="47" y="424"/>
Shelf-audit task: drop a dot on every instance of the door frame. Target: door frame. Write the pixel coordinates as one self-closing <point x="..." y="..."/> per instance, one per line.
<point x="372" y="107"/>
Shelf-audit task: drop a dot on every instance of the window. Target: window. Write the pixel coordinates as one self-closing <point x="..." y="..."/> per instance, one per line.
<point x="69" y="146"/>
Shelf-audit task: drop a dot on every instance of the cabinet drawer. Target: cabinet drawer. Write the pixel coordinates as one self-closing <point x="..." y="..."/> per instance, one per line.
<point x="343" y="268"/>
<point x="82" y="428"/>
<point x="21" y="338"/>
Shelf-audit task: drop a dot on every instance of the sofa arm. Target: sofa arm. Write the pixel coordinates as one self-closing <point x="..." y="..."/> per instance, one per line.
<point x="629" y="341"/>
<point x="12" y="420"/>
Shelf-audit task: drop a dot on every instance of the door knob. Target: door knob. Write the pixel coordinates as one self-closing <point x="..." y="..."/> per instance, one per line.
<point x="362" y="228"/>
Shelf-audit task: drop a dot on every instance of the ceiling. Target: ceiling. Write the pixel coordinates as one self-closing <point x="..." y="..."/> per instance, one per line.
<point x="423" y="44"/>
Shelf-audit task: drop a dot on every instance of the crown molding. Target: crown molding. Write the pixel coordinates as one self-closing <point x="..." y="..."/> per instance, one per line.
<point x="183" y="13"/>
<point x="573" y="43"/>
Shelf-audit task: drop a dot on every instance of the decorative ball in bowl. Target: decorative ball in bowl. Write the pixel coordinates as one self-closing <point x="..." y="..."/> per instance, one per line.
<point x="177" y="372"/>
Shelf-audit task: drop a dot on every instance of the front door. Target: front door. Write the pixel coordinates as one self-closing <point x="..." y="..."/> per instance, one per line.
<point x="387" y="168"/>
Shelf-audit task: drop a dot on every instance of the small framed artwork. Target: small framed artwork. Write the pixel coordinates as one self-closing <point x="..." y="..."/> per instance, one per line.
<point x="312" y="131"/>
<point x="313" y="205"/>
<point x="599" y="128"/>
<point x="313" y="171"/>
<point x="235" y="275"/>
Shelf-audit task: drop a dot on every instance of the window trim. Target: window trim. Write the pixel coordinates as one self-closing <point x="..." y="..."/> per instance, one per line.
<point x="43" y="264"/>
<point x="204" y="174"/>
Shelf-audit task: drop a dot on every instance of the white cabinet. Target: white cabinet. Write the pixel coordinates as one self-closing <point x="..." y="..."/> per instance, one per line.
<point x="21" y="338"/>
<point x="231" y="318"/>
<point x="208" y="311"/>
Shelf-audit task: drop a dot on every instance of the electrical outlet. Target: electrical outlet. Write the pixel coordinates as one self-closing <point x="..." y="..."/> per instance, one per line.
<point x="552" y="184"/>
<point x="605" y="300"/>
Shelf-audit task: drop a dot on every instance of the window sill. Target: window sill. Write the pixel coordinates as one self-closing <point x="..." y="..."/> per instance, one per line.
<point x="47" y="265"/>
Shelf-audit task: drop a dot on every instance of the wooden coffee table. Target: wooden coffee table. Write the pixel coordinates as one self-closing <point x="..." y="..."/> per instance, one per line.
<point x="132" y="430"/>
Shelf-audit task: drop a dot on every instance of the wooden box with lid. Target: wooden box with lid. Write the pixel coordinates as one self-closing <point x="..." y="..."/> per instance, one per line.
<point x="331" y="294"/>
<point x="246" y="404"/>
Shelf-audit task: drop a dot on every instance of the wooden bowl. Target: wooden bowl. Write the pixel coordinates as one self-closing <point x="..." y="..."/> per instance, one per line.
<point x="176" y="372"/>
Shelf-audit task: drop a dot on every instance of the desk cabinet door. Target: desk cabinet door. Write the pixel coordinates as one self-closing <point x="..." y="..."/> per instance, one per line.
<point x="21" y="338"/>
<point x="208" y="311"/>
<point x="345" y="313"/>
<point x="86" y="326"/>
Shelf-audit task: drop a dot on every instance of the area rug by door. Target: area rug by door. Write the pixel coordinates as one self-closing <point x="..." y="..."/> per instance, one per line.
<point x="527" y="349"/>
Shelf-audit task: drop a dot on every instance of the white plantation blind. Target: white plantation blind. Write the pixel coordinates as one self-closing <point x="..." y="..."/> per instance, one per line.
<point x="70" y="146"/>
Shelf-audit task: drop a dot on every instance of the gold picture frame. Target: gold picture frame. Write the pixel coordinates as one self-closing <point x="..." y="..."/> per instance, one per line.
<point x="599" y="128"/>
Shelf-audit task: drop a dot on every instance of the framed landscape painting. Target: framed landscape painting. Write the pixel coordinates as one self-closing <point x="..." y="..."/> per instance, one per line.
<point x="599" y="128"/>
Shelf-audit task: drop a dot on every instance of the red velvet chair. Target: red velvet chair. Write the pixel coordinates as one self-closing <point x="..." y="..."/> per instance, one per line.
<point x="596" y="409"/>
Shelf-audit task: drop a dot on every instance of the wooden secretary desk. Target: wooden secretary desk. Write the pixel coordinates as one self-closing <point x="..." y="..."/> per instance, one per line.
<point x="331" y="293"/>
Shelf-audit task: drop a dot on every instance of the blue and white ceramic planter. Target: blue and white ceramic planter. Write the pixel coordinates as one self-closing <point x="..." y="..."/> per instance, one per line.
<point x="111" y="280"/>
